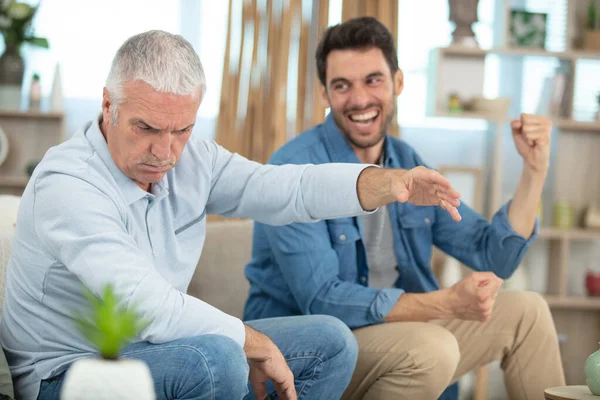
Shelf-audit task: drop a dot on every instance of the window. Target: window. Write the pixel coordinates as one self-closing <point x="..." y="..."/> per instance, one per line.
<point x="423" y="26"/>
<point x="86" y="42"/>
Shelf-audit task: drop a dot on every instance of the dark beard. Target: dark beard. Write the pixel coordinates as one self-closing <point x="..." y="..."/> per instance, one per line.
<point x="384" y="127"/>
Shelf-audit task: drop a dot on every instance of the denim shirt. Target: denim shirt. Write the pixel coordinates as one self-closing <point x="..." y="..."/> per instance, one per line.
<point x="321" y="268"/>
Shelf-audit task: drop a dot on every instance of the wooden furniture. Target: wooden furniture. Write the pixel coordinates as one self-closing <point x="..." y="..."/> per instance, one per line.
<point x="573" y="177"/>
<point x="30" y="134"/>
<point x="578" y="392"/>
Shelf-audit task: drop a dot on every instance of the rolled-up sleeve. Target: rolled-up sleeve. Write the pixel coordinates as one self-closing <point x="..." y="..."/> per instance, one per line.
<point x="84" y="229"/>
<point x="279" y="195"/>
<point x="483" y="245"/>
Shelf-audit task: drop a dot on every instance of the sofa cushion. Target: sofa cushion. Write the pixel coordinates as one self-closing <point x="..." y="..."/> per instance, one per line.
<point x="219" y="279"/>
<point x="6" y="384"/>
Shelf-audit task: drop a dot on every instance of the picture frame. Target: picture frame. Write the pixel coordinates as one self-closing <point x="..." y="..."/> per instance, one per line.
<point x="528" y="29"/>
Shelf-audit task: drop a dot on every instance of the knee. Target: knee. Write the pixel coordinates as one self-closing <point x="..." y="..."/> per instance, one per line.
<point x="434" y="355"/>
<point x="533" y="309"/>
<point x="223" y="361"/>
<point x="437" y="356"/>
<point x="337" y="339"/>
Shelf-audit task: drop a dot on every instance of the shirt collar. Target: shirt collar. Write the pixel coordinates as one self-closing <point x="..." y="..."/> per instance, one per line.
<point x="131" y="191"/>
<point x="340" y="150"/>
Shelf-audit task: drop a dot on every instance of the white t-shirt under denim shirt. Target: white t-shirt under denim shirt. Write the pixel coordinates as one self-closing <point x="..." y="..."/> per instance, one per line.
<point x="83" y="222"/>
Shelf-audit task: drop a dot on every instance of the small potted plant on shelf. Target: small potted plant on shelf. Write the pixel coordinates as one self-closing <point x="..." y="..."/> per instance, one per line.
<point x="108" y="325"/>
<point x="16" y="27"/>
<point x="591" y="40"/>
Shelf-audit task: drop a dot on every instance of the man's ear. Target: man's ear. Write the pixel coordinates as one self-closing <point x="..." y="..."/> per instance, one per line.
<point x="324" y="97"/>
<point x="106" y="105"/>
<point x="398" y="82"/>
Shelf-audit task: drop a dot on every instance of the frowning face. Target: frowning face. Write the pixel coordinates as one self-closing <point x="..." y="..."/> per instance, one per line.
<point x="151" y="132"/>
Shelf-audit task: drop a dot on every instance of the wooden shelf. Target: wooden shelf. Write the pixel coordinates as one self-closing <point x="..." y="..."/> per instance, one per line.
<point x="564" y="124"/>
<point x="573" y="55"/>
<point x="471" y="115"/>
<point x="578" y="126"/>
<point x="573" y="302"/>
<point x="30" y="114"/>
<point x="14" y="182"/>
<point x="569" y="234"/>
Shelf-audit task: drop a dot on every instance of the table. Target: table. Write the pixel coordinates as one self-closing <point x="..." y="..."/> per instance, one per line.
<point x="579" y="392"/>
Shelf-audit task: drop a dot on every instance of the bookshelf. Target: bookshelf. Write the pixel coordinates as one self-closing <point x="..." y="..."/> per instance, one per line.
<point x="573" y="177"/>
<point x="30" y="134"/>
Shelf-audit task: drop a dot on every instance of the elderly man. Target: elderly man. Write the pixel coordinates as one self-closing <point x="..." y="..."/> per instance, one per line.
<point x="124" y="202"/>
<point x="373" y="272"/>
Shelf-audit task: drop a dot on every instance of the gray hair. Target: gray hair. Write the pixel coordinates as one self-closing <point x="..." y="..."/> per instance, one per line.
<point x="165" y="61"/>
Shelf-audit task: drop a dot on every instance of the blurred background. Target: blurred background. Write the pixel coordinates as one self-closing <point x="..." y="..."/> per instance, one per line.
<point x="469" y="67"/>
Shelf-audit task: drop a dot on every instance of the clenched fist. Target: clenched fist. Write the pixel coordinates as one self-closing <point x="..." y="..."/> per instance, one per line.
<point x="473" y="297"/>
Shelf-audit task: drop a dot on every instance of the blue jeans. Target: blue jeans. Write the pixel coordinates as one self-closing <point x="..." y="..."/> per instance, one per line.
<point x="320" y="350"/>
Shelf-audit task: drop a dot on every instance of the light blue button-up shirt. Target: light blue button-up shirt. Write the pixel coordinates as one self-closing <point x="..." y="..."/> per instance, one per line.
<point x="83" y="222"/>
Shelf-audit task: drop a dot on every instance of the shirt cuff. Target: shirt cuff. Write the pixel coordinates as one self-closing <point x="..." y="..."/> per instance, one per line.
<point x="385" y="300"/>
<point x="506" y="230"/>
<point x="238" y="331"/>
<point x="330" y="190"/>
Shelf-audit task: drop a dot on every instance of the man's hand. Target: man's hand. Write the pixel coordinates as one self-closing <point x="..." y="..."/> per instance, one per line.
<point x="473" y="297"/>
<point x="531" y="135"/>
<point x="267" y="363"/>
<point x="420" y="186"/>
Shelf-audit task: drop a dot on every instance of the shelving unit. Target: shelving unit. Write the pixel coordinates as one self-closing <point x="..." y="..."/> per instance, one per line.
<point x="30" y="134"/>
<point x="575" y="160"/>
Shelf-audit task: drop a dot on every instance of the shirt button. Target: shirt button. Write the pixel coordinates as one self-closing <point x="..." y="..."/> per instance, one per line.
<point x="427" y="220"/>
<point x="342" y="237"/>
<point x="363" y="279"/>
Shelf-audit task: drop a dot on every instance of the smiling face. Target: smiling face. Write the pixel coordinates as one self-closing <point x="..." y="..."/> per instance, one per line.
<point x="151" y="131"/>
<point x="361" y="93"/>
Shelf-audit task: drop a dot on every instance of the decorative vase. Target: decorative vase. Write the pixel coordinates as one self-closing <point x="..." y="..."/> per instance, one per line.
<point x="464" y="14"/>
<point x="12" y="69"/>
<point x="592" y="283"/>
<point x="564" y="215"/>
<point x="56" y="95"/>
<point x="99" y="379"/>
<point x="592" y="372"/>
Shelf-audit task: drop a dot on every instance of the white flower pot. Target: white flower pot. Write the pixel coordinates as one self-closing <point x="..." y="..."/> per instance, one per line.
<point x="98" y="379"/>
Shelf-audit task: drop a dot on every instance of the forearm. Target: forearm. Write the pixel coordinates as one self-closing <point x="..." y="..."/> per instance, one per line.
<point x="257" y="346"/>
<point x="421" y="307"/>
<point x="524" y="206"/>
<point x="375" y="187"/>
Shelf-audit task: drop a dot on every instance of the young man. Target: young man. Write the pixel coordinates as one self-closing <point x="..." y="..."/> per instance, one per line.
<point x="373" y="272"/>
<point x="123" y="202"/>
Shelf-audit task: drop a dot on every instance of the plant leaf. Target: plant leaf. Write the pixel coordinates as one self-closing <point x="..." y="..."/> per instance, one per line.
<point x="37" y="41"/>
<point x="107" y="323"/>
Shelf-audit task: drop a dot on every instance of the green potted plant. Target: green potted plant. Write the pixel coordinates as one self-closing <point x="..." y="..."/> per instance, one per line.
<point x="591" y="39"/>
<point x="16" y="28"/>
<point x="109" y="326"/>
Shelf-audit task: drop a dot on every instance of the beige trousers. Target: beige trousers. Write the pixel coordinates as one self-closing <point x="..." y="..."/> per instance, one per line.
<point x="418" y="360"/>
